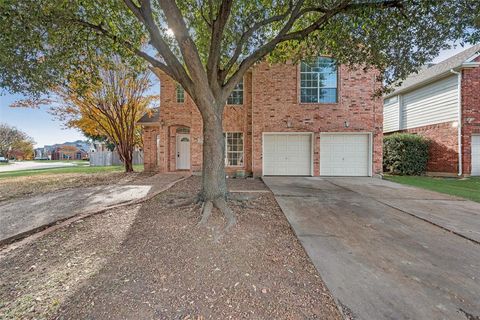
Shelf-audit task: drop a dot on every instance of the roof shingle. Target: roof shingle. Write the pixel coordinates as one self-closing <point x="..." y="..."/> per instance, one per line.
<point x="149" y="118"/>
<point x="436" y="70"/>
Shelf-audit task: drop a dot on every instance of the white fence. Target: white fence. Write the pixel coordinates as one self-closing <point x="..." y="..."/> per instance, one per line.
<point x="109" y="158"/>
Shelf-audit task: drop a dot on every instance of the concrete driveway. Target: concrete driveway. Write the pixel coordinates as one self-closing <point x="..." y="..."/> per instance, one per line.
<point x="387" y="251"/>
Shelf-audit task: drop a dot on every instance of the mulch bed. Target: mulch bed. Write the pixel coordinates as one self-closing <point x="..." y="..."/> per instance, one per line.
<point x="160" y="265"/>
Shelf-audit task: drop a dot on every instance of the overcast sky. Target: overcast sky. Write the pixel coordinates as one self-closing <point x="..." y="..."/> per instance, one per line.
<point x="45" y="130"/>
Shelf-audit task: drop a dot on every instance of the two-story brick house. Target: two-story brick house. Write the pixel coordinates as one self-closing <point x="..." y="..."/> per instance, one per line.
<point x="312" y="118"/>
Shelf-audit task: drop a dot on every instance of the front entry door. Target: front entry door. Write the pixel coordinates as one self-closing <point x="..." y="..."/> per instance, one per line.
<point x="183" y="151"/>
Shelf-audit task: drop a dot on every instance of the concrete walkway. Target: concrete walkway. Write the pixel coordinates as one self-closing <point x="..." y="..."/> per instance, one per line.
<point x="19" y="217"/>
<point x="387" y="251"/>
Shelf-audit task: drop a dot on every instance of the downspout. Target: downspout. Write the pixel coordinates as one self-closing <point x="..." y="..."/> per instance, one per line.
<point x="460" y="149"/>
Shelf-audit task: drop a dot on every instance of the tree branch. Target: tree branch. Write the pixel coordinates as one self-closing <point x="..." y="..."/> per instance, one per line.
<point x="263" y="50"/>
<point x="98" y="28"/>
<point x="218" y="27"/>
<point x="284" y="35"/>
<point x="187" y="47"/>
<point x="244" y="38"/>
<point x="145" y="16"/>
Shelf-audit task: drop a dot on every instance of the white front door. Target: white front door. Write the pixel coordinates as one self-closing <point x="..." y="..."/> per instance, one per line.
<point x="287" y="154"/>
<point x="183" y="151"/>
<point x="475" y="155"/>
<point x="344" y="154"/>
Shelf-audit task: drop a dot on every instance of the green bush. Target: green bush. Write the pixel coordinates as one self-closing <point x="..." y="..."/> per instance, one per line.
<point x="405" y="154"/>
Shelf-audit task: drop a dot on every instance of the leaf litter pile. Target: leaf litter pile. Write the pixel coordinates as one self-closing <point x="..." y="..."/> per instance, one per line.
<point x="152" y="261"/>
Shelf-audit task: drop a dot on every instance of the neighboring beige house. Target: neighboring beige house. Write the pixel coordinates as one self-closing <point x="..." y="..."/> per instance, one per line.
<point x="442" y="103"/>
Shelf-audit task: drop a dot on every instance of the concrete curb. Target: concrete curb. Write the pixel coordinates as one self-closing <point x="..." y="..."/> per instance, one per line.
<point x="14" y="242"/>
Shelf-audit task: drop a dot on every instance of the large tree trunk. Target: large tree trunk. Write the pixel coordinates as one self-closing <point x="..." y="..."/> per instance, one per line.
<point x="214" y="184"/>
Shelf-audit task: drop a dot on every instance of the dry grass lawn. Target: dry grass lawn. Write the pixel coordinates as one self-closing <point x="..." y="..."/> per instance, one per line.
<point x="17" y="187"/>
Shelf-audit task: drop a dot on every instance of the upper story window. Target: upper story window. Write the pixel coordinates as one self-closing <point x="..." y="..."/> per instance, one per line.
<point x="180" y="94"/>
<point x="318" y="81"/>
<point x="236" y="97"/>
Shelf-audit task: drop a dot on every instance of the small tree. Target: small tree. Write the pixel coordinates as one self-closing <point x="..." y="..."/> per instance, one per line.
<point x="108" y="106"/>
<point x="13" y="140"/>
<point x="22" y="150"/>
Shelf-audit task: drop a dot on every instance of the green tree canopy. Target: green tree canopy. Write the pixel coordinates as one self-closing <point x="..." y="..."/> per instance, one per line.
<point x="43" y="41"/>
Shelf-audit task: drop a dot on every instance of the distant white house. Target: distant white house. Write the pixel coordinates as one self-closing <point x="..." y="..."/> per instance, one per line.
<point x="442" y="103"/>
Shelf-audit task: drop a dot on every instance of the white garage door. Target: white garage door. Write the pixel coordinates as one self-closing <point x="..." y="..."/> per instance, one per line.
<point x="344" y="154"/>
<point x="475" y="155"/>
<point x="287" y="154"/>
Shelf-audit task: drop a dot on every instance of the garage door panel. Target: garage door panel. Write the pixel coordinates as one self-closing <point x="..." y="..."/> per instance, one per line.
<point x="344" y="154"/>
<point x="286" y="154"/>
<point x="475" y="155"/>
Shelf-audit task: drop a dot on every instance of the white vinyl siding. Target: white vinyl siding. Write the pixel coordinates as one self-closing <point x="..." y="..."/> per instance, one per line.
<point x="431" y="104"/>
<point x="391" y="116"/>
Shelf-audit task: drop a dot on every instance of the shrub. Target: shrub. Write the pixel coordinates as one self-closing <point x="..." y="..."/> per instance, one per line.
<point x="405" y="154"/>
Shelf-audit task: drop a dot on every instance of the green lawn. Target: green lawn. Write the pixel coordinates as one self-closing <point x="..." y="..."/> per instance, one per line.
<point x="468" y="188"/>
<point x="77" y="169"/>
<point x="78" y="162"/>
<point x="4" y="163"/>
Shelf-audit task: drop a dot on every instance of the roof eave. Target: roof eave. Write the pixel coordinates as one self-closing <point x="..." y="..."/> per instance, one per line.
<point x="418" y="85"/>
<point x="433" y="79"/>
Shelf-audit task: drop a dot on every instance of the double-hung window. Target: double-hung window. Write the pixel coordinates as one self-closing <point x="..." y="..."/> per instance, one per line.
<point x="180" y="94"/>
<point x="318" y="81"/>
<point x="236" y="97"/>
<point x="233" y="149"/>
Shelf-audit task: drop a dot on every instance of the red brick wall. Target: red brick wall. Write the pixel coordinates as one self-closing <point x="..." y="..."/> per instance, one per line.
<point x="277" y="108"/>
<point x="470" y="112"/>
<point x="273" y="91"/>
<point x="150" y="148"/>
<point x="443" y="151"/>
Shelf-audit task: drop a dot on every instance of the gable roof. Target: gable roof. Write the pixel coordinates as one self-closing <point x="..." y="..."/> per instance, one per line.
<point x="151" y="118"/>
<point x="438" y="70"/>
